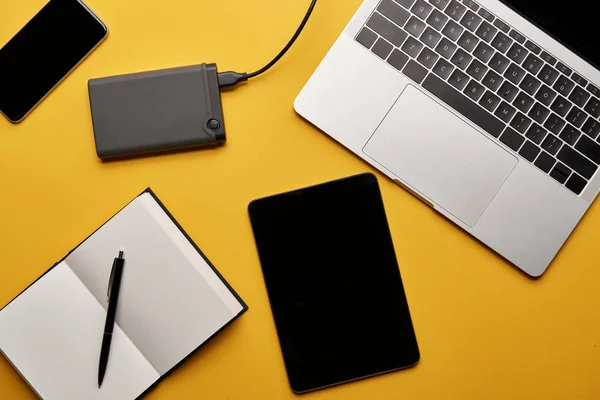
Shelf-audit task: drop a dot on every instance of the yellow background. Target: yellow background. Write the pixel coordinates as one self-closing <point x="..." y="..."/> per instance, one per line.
<point x="485" y="330"/>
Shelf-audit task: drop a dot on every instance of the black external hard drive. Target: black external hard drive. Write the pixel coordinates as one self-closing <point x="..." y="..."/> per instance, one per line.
<point x="157" y="111"/>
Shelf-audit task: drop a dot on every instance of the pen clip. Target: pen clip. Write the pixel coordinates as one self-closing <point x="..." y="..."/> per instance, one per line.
<point x="110" y="281"/>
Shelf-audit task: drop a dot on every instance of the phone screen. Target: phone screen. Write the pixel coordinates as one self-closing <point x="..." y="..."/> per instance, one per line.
<point x="41" y="54"/>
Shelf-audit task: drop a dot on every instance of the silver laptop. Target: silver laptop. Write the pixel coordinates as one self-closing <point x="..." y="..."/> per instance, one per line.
<point x="488" y="111"/>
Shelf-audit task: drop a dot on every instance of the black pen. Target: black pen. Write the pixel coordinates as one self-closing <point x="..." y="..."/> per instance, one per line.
<point x="114" y="284"/>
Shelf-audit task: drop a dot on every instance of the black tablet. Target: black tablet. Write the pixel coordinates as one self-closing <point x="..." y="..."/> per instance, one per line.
<point x="333" y="283"/>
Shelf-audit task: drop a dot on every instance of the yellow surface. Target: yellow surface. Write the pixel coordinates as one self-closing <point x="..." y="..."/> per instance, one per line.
<point x="484" y="329"/>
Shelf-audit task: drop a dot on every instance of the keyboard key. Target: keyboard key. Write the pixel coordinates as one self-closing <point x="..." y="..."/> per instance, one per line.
<point x="471" y="4"/>
<point x="548" y="58"/>
<point x="570" y="134"/>
<point x="564" y="85"/>
<point x="564" y="69"/>
<point x="446" y="48"/>
<point x="382" y="48"/>
<point x="512" y="139"/>
<point x="560" y="172"/>
<point x="437" y="20"/>
<point x="576" y="184"/>
<point x="523" y="102"/>
<point x="414" y="71"/>
<point x="545" y="95"/>
<point x="536" y="133"/>
<point x="505" y="112"/>
<point x="532" y="47"/>
<point x="421" y="9"/>
<point x="514" y="73"/>
<point x="502" y="26"/>
<point x="366" y="37"/>
<point x="561" y="106"/>
<point x="477" y="70"/>
<point x="461" y="59"/>
<point x="443" y="69"/>
<point x="579" y="79"/>
<point x="486" y="32"/>
<point x="508" y="91"/>
<point x="591" y="128"/>
<point x="387" y="29"/>
<point x="501" y="42"/>
<point x="517" y="53"/>
<point x="579" y="96"/>
<point x="455" y="10"/>
<point x="520" y="123"/>
<point x="533" y="64"/>
<point x="412" y="47"/>
<point x="530" y="84"/>
<point x="539" y="113"/>
<point x="589" y="148"/>
<point x="548" y="75"/>
<point x="492" y="81"/>
<point x="394" y="12"/>
<point x="452" y="30"/>
<point x="499" y="63"/>
<point x="405" y="3"/>
<point x="463" y="105"/>
<point x="593" y="107"/>
<point x="529" y="151"/>
<point x="441" y="4"/>
<point x="517" y="36"/>
<point x="458" y="79"/>
<point x="577" y="162"/>
<point x="470" y="20"/>
<point x="483" y="52"/>
<point x="489" y="101"/>
<point x="485" y="14"/>
<point x="430" y="37"/>
<point x="415" y="26"/>
<point x="554" y="123"/>
<point x="474" y="90"/>
<point x="576" y="117"/>
<point x="427" y="57"/>
<point x="552" y="144"/>
<point x="397" y="59"/>
<point x="545" y="162"/>
<point x="468" y="41"/>
<point x="593" y="90"/>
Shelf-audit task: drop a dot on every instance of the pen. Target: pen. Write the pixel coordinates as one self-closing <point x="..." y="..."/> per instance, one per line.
<point x="112" y="296"/>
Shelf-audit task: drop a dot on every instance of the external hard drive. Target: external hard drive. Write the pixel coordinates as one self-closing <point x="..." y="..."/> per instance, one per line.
<point x="157" y="111"/>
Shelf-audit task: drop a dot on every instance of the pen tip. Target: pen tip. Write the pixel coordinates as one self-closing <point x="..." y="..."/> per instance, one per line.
<point x="120" y="253"/>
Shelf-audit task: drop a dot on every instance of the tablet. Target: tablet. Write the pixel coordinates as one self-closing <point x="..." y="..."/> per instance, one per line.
<point x="333" y="283"/>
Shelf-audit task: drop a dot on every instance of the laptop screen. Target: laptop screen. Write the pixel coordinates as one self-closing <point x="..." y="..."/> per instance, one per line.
<point x="572" y="23"/>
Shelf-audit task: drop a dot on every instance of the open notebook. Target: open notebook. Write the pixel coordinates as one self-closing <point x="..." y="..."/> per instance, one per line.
<point x="172" y="300"/>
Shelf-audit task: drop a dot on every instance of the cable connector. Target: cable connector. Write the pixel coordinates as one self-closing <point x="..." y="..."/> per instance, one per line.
<point x="231" y="78"/>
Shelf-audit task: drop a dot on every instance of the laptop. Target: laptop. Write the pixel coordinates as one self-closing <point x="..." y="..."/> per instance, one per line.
<point x="488" y="111"/>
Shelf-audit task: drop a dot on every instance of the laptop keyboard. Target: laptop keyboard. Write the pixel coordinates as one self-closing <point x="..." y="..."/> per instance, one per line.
<point x="496" y="77"/>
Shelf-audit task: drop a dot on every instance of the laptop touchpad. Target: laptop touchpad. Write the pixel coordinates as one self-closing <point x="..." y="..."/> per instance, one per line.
<point x="440" y="156"/>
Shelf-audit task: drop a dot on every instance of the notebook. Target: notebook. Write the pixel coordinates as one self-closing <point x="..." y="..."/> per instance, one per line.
<point x="172" y="301"/>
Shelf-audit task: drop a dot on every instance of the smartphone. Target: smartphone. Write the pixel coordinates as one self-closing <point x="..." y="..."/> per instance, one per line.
<point x="52" y="44"/>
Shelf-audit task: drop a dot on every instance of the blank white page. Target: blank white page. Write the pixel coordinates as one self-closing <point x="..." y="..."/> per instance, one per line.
<point x="166" y="306"/>
<point x="52" y="334"/>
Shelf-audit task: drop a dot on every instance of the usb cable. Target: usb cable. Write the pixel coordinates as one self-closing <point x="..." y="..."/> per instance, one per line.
<point x="231" y="78"/>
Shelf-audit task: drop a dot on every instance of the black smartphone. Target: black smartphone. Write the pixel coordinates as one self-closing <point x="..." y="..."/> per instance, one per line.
<point x="44" y="52"/>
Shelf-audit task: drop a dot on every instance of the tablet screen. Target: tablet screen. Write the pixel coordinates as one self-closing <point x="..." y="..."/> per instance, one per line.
<point x="333" y="283"/>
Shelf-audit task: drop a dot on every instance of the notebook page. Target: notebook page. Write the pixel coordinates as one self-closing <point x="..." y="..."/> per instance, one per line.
<point x="191" y="253"/>
<point x="52" y="334"/>
<point x="166" y="307"/>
